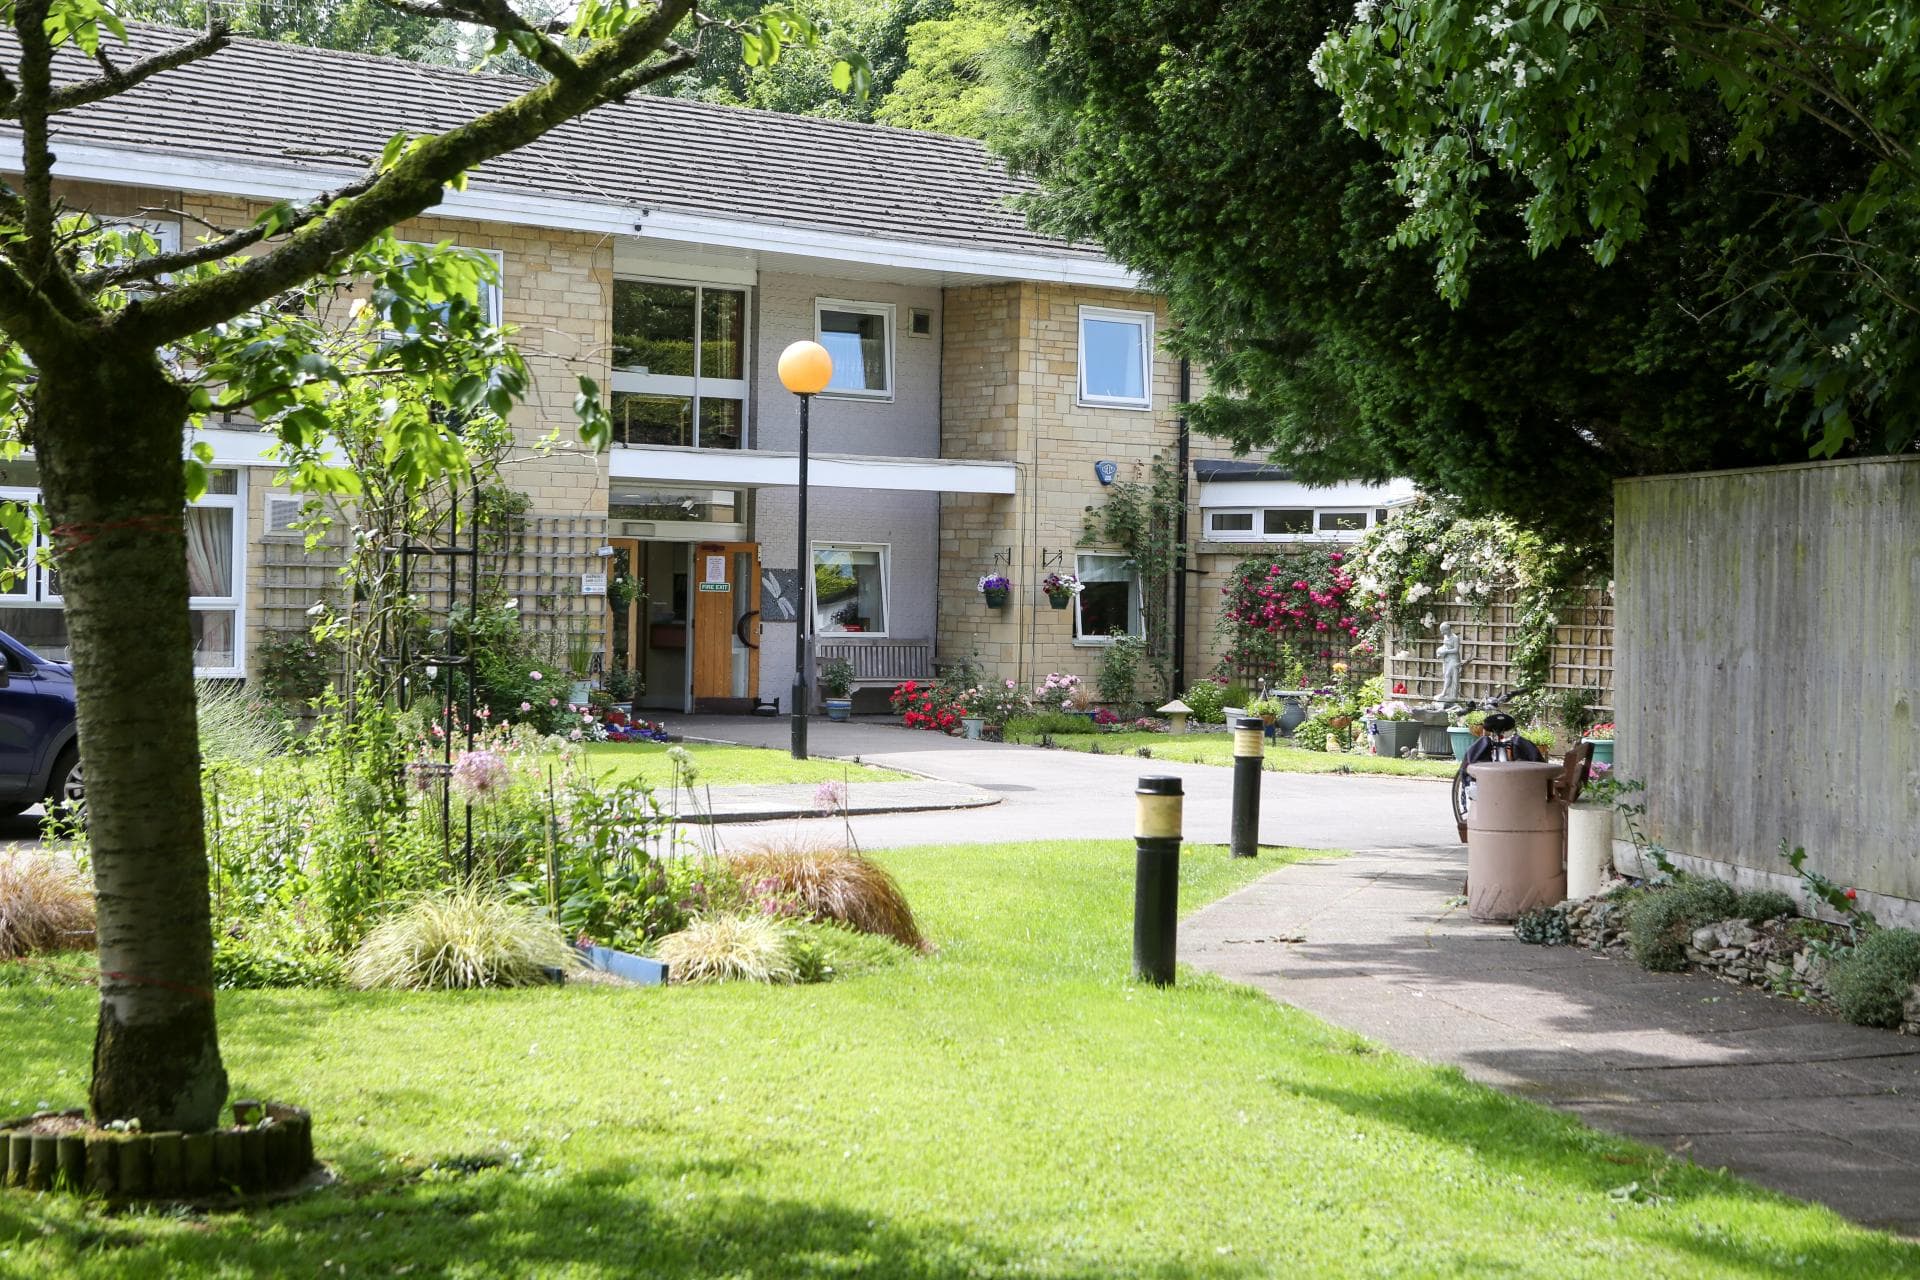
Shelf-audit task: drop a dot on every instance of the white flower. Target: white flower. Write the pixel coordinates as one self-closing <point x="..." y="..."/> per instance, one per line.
<point x="1426" y="620"/>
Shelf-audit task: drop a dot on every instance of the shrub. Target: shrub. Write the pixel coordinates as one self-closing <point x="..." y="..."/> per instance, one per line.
<point x="1023" y="728"/>
<point x="295" y="668"/>
<point x="45" y="905"/>
<point x="1120" y="662"/>
<point x="752" y="948"/>
<point x="823" y="952"/>
<point x="1658" y="925"/>
<point x="1208" y="700"/>
<point x="828" y="884"/>
<point x="251" y="964"/>
<point x="1870" y="982"/>
<point x="456" y="939"/>
<point x="1761" y="905"/>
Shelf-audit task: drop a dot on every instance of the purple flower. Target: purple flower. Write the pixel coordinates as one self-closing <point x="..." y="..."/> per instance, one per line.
<point x="830" y="798"/>
<point x="481" y="775"/>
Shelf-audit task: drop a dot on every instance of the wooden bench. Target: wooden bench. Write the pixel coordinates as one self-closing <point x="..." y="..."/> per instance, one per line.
<point x="879" y="662"/>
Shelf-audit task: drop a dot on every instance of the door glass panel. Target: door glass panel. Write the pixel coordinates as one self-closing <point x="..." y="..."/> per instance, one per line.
<point x="719" y="423"/>
<point x="640" y="418"/>
<point x="210" y="551"/>
<point x="653" y="328"/>
<point x="723" y="323"/>
<point x="742" y="597"/>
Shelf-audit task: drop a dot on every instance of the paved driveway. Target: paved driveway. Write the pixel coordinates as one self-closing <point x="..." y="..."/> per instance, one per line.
<point x="1049" y="794"/>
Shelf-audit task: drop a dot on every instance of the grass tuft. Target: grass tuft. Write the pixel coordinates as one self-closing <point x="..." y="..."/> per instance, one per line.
<point x="236" y="727"/>
<point x="45" y="905"/>
<point x="750" y="948"/>
<point x="830" y="883"/>
<point x="458" y="939"/>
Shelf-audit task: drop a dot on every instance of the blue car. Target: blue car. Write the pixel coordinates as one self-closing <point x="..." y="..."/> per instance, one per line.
<point x="39" y="742"/>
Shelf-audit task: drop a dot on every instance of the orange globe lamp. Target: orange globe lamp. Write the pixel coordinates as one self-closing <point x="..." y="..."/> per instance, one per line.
<point x="805" y="368"/>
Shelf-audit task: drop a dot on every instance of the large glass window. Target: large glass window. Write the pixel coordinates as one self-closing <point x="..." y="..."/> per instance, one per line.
<point x="215" y="528"/>
<point x="679" y="365"/>
<point x="849" y="590"/>
<point x="1116" y="357"/>
<point x="1109" y="601"/>
<point x="859" y="337"/>
<point x="648" y="502"/>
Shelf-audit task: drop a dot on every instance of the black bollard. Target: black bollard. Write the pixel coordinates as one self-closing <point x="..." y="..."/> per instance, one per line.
<point x="1249" y="747"/>
<point x="1156" y="878"/>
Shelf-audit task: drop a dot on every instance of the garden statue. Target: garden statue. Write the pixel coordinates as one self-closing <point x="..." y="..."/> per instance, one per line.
<point x="1449" y="654"/>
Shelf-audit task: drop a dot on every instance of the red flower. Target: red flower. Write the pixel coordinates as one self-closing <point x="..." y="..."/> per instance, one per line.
<point x="1852" y="894"/>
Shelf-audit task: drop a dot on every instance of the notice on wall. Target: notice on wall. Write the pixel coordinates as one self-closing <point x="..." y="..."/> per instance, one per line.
<point x="593" y="584"/>
<point x="716" y="569"/>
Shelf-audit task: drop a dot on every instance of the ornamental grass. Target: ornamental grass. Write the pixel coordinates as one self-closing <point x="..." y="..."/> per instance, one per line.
<point x="747" y="948"/>
<point x="828" y="883"/>
<point x="45" y="905"/>
<point x="458" y="939"/>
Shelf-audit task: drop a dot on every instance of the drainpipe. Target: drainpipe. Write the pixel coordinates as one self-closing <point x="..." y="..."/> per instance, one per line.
<point x="1180" y="539"/>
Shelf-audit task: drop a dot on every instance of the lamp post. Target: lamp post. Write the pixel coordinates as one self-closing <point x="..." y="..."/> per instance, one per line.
<point x="805" y="370"/>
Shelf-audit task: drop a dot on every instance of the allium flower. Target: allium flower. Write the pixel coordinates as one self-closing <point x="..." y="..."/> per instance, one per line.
<point x="481" y="775"/>
<point x="830" y="798"/>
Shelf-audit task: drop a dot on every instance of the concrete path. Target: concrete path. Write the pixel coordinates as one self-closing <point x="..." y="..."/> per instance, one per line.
<point x="1778" y="1093"/>
<point x="766" y="803"/>
<point x="1067" y="795"/>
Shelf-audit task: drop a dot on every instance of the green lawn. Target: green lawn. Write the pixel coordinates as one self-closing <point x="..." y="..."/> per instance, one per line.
<point x="726" y="766"/>
<point x="1011" y="1105"/>
<point x="1217" y="748"/>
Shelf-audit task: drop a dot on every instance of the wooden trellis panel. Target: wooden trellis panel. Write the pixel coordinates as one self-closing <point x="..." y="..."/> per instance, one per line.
<point x="1582" y="656"/>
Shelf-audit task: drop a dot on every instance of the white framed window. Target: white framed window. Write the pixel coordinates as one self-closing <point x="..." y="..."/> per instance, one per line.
<point x="215" y="528"/>
<point x="1109" y="601"/>
<point x="1342" y="522"/>
<point x="859" y="337"/>
<point x="679" y="364"/>
<point x="1288" y="524"/>
<point x="1231" y="526"/>
<point x="850" y="588"/>
<point x="1116" y="358"/>
<point x="488" y="294"/>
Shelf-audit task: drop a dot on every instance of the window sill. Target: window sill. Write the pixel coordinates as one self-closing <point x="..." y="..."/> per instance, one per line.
<point x="1132" y="406"/>
<point x="870" y="397"/>
<point x="1097" y="642"/>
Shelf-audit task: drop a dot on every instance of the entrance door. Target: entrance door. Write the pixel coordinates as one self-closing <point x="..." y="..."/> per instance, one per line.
<point x="726" y="626"/>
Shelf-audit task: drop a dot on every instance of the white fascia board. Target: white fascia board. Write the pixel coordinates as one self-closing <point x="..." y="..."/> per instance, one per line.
<point x="296" y="182"/>
<point x="239" y="448"/>
<point x="1292" y="493"/>
<point x="755" y="469"/>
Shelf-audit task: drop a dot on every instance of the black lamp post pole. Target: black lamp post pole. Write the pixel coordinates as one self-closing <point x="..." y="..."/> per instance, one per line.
<point x="802" y="618"/>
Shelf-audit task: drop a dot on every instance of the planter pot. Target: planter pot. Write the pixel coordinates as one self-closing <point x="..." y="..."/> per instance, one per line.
<point x="995" y="599"/>
<point x="1293" y="716"/>
<point x="1589" y="848"/>
<point x="1060" y="601"/>
<point x="579" y="693"/>
<point x="1395" y="737"/>
<point x="972" y="727"/>
<point x="1461" y="738"/>
<point x="839" y="708"/>
<point x="1339" y="722"/>
<point x="1602" y="749"/>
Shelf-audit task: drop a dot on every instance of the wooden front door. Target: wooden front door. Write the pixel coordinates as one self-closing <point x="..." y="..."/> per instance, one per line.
<point x="726" y="626"/>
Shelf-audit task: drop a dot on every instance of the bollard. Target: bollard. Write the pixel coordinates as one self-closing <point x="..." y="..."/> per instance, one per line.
<point x="1249" y="746"/>
<point x="1156" y="878"/>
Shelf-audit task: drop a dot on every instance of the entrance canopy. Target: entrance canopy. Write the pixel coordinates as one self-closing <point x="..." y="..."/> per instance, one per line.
<point x="756" y="469"/>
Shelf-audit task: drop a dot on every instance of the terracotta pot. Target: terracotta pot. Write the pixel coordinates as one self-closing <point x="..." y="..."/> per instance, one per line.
<point x="1339" y="722"/>
<point x="1479" y="730"/>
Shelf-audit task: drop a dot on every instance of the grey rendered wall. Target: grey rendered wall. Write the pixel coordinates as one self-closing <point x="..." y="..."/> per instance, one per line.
<point x="906" y="426"/>
<point x="1767" y="671"/>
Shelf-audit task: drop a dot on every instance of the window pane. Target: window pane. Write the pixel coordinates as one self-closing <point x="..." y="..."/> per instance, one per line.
<point x="1342" y="521"/>
<point x="223" y="482"/>
<point x="17" y="582"/>
<point x="857" y="342"/>
<point x="210" y="551"/>
<point x="212" y="637"/>
<point x="673" y="504"/>
<point x="849" y="594"/>
<point x="720" y="423"/>
<point x="653" y="328"/>
<point x="639" y="418"/>
<point x="1110" y="354"/>
<point x="42" y="630"/>
<point x="1106" y="600"/>
<point x="723" y="325"/>
<point x="1232" y="522"/>
<point x="1282" y="520"/>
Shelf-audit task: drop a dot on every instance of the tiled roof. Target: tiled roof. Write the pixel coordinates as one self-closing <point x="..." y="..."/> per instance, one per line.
<point x="266" y="103"/>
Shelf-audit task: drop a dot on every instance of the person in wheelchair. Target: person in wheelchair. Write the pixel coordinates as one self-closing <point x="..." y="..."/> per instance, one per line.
<point x="1498" y="744"/>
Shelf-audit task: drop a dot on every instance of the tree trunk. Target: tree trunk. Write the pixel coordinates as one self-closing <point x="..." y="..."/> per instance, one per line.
<point x="108" y="428"/>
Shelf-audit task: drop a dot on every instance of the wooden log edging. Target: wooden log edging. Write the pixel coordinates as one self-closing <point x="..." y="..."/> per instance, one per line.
<point x="269" y="1147"/>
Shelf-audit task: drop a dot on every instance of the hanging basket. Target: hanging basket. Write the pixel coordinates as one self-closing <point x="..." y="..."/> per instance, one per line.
<point x="1060" y="600"/>
<point x="996" y="598"/>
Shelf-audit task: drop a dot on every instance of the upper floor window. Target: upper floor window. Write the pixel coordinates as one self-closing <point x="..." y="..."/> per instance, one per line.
<point x="1116" y="358"/>
<point x="679" y="365"/>
<point x="1287" y="524"/>
<point x="859" y="337"/>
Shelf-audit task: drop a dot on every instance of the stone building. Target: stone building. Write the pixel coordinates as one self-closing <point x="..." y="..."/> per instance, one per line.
<point x="669" y="250"/>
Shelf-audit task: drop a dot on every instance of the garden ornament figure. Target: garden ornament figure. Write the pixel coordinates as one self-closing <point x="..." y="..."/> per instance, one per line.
<point x="1449" y="654"/>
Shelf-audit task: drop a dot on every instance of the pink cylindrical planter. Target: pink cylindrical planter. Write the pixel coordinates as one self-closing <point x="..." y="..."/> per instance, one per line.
<point x="1516" y="833"/>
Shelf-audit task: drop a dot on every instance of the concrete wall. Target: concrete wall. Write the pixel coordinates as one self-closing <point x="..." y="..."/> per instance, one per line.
<point x="1766" y="670"/>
